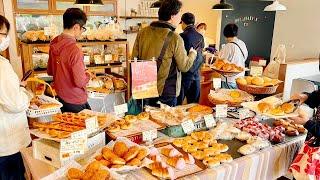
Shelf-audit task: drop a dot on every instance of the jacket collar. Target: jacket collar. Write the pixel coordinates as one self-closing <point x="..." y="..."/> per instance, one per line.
<point x="189" y="27"/>
<point x="163" y="24"/>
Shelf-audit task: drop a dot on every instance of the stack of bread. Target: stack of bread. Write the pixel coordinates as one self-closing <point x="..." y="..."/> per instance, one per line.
<point x="121" y="155"/>
<point x="94" y="171"/>
<point x="290" y="128"/>
<point x="65" y="124"/>
<point x="37" y="103"/>
<point x="204" y="147"/>
<point x="166" y="159"/>
<point x="224" y="66"/>
<point x="285" y="108"/>
<point x="257" y="81"/>
<point x="35" y="36"/>
<point x="126" y="123"/>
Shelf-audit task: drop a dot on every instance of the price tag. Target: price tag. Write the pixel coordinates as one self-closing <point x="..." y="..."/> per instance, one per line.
<point x="149" y="135"/>
<point x="92" y="124"/>
<point x="256" y="71"/>
<point x="221" y="110"/>
<point x="243" y="113"/>
<point x="71" y="147"/>
<point x="80" y="134"/>
<point x="188" y="126"/>
<point x="121" y="109"/>
<point x="262" y="62"/>
<point x="209" y="120"/>
<point x="47" y="31"/>
<point x="216" y="83"/>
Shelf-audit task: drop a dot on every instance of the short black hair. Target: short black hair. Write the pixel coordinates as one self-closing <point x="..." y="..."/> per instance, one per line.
<point x="74" y="16"/>
<point x="188" y="18"/>
<point x="169" y="8"/>
<point x="231" y="30"/>
<point x="4" y="22"/>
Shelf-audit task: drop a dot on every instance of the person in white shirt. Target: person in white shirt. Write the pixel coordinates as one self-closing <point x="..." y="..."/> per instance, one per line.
<point x="235" y="51"/>
<point x="14" y="101"/>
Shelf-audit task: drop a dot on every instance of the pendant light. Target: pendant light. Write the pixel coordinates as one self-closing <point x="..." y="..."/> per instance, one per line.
<point x="275" y="6"/>
<point x="156" y="5"/>
<point x="222" y="6"/>
<point x="89" y="2"/>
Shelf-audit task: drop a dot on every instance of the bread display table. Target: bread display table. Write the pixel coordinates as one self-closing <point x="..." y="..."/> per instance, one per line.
<point x="269" y="163"/>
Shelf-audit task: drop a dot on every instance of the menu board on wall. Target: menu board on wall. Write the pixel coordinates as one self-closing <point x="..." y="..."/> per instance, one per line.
<point x="144" y="79"/>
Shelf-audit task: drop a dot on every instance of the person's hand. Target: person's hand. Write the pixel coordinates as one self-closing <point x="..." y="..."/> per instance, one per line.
<point x="301" y="119"/>
<point x="23" y="83"/>
<point x="301" y="97"/>
<point x="193" y="51"/>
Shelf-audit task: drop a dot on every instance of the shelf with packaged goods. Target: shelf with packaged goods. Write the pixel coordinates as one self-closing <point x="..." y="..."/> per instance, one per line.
<point x="138" y="17"/>
<point x="27" y="51"/>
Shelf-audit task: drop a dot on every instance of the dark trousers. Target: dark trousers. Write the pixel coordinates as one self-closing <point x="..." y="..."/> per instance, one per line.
<point x="168" y="100"/>
<point x="74" y="108"/>
<point x="191" y="90"/>
<point x="11" y="167"/>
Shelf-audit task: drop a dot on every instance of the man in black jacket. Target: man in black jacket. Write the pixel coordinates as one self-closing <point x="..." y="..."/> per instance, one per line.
<point x="190" y="86"/>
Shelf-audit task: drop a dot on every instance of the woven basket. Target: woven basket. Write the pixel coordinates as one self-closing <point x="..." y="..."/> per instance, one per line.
<point x="258" y="89"/>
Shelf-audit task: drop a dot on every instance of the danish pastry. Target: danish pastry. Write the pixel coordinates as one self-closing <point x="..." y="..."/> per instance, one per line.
<point x="132" y="153"/>
<point x="142" y="154"/>
<point x="120" y="148"/>
<point x="74" y="173"/>
<point x="134" y="162"/>
<point x="143" y="116"/>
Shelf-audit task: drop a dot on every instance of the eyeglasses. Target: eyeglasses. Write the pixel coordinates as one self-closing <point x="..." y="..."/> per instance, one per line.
<point x="83" y="28"/>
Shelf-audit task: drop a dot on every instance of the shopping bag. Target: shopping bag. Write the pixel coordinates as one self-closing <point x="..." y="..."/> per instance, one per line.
<point x="306" y="165"/>
<point x="272" y="69"/>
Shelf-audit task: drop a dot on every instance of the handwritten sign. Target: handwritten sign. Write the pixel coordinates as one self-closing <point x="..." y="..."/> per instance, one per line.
<point x="149" y="135"/>
<point x="256" y="71"/>
<point x="121" y="109"/>
<point x="188" y="126"/>
<point x="221" y="110"/>
<point x="70" y="147"/>
<point x="92" y="124"/>
<point x="243" y="113"/>
<point x="80" y="134"/>
<point x="144" y="79"/>
<point x="209" y="120"/>
<point x="216" y="83"/>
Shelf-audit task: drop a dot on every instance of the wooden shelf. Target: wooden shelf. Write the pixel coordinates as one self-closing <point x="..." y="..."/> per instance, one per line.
<point x="138" y="17"/>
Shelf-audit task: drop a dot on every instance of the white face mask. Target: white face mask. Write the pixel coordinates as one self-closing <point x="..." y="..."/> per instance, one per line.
<point x="4" y="43"/>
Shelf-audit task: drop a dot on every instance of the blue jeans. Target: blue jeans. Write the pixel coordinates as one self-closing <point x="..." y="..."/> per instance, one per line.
<point x="231" y="85"/>
<point x="191" y="90"/>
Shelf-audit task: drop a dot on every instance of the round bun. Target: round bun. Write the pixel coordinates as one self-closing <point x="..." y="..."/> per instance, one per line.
<point x="287" y="107"/>
<point x="277" y="111"/>
<point x="242" y="81"/>
<point x="264" y="107"/>
<point x="258" y="81"/>
<point x="249" y="79"/>
<point x="266" y="79"/>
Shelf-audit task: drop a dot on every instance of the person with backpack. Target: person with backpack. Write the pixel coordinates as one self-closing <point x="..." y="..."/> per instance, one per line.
<point x="235" y="51"/>
<point x="159" y="41"/>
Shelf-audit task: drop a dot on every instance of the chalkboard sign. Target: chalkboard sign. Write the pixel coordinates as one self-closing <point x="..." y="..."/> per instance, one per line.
<point x="255" y="25"/>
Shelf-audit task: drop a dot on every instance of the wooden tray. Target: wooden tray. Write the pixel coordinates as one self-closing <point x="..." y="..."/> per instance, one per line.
<point x="189" y="170"/>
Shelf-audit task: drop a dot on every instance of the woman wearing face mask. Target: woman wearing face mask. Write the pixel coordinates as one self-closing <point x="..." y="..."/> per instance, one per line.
<point x="14" y="100"/>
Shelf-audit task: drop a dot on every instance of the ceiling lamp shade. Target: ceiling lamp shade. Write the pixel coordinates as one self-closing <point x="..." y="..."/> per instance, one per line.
<point x="275" y="6"/>
<point x="156" y="5"/>
<point x="89" y="2"/>
<point x="222" y="6"/>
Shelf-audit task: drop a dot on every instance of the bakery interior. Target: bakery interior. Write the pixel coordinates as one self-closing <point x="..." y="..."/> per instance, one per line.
<point x="248" y="132"/>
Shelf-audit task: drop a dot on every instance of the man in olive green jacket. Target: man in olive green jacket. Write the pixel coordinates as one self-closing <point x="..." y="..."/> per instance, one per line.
<point x="149" y="43"/>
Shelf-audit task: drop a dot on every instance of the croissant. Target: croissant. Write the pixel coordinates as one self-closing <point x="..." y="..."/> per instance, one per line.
<point x="188" y="159"/>
<point x="157" y="165"/>
<point x="169" y="152"/>
<point x="176" y="162"/>
<point x="165" y="173"/>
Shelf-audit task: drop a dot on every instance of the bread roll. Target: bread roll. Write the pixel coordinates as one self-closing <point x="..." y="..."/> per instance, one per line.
<point x="258" y="81"/>
<point x="264" y="107"/>
<point x="287" y="107"/>
<point x="241" y="81"/>
<point x="120" y="148"/>
<point x="249" y="80"/>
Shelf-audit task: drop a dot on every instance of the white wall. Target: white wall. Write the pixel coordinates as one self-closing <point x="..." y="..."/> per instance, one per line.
<point x="298" y="28"/>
